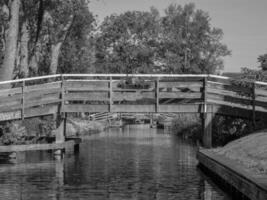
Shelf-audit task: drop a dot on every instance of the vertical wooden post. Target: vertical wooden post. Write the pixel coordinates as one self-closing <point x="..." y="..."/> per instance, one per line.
<point x="61" y="120"/>
<point x="207" y="134"/>
<point x="207" y="117"/>
<point x="23" y="100"/>
<point x="157" y="94"/>
<point x="253" y="105"/>
<point x="110" y="94"/>
<point x="62" y="94"/>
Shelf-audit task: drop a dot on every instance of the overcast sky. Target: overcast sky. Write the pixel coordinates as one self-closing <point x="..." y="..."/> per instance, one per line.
<point x="244" y="23"/>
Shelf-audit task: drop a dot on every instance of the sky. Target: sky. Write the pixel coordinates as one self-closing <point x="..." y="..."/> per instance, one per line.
<point x="244" y="23"/>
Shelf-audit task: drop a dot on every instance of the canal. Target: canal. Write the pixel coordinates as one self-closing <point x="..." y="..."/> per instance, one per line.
<point x="135" y="162"/>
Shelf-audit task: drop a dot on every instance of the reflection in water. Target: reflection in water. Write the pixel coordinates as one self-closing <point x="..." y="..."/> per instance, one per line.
<point x="135" y="162"/>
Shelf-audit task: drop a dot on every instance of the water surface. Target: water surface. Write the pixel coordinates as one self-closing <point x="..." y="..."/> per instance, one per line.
<point x="135" y="162"/>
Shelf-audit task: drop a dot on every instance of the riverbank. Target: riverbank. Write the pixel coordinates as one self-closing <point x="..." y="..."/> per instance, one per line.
<point x="249" y="151"/>
<point x="241" y="164"/>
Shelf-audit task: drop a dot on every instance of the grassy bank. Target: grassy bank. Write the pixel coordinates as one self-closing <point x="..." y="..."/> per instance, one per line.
<point x="250" y="151"/>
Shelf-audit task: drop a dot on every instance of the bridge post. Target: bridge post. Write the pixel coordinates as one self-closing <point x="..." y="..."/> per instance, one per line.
<point x="207" y="117"/>
<point x="207" y="130"/>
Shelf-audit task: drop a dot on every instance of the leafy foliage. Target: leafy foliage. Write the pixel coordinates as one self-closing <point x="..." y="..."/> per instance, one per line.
<point x="181" y="41"/>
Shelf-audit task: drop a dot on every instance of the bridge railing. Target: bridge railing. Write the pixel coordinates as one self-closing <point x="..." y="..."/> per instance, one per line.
<point x="93" y="93"/>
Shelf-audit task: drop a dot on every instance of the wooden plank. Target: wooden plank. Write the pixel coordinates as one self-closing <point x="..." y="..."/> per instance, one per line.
<point x="85" y="108"/>
<point x="5" y="116"/>
<point x="186" y="108"/>
<point x="229" y="99"/>
<point x="10" y="106"/>
<point x="44" y="86"/>
<point x="134" y="108"/>
<point x="260" y="92"/>
<point x="179" y="84"/>
<point x="37" y="147"/>
<point x="42" y="102"/>
<point x="225" y="87"/>
<point x="226" y="93"/>
<point x="41" y="111"/>
<point x="87" y="96"/>
<point x="12" y="91"/>
<point x="220" y="102"/>
<point x="13" y="98"/>
<point x="132" y="96"/>
<point x="38" y="93"/>
<point x="180" y="95"/>
<point x="234" y="174"/>
<point x="42" y="97"/>
<point x="134" y="90"/>
<point x="86" y="86"/>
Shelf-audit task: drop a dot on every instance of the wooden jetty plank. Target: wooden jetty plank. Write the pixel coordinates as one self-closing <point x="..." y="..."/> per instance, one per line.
<point x="85" y="108"/>
<point x="234" y="174"/>
<point x="38" y="147"/>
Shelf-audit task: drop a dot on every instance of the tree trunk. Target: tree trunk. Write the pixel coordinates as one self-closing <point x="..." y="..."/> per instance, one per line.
<point x="57" y="46"/>
<point x="54" y="58"/>
<point x="24" y="52"/>
<point x="8" y="66"/>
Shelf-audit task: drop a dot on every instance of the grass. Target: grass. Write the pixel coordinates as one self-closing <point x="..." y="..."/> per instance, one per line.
<point x="250" y="151"/>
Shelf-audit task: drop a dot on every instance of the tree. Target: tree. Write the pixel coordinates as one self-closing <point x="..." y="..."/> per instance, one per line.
<point x="77" y="53"/>
<point x="190" y="44"/>
<point x="262" y="59"/>
<point x="181" y="41"/>
<point x="126" y="42"/>
<point x="11" y="39"/>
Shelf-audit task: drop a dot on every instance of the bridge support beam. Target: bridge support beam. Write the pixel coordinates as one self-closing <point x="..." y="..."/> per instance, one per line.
<point x="207" y="129"/>
<point x="60" y="131"/>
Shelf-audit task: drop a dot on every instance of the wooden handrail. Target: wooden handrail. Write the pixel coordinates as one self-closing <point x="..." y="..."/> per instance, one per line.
<point x="130" y="75"/>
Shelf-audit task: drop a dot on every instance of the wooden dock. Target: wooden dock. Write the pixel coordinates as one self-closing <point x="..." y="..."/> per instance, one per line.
<point x="248" y="183"/>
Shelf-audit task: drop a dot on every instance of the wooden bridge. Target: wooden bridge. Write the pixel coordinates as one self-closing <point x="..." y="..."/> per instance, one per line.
<point x="140" y="93"/>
